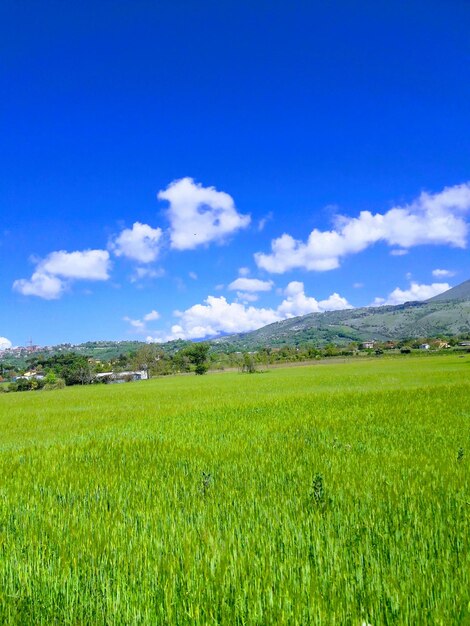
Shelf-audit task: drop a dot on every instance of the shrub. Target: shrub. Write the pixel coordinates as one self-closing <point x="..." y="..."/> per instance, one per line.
<point x="59" y="384"/>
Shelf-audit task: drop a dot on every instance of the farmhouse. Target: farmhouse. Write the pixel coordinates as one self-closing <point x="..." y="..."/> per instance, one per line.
<point x="367" y="345"/>
<point x="121" y="377"/>
<point x="29" y="375"/>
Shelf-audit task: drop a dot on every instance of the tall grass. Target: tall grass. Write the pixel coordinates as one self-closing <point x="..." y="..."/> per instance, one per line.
<point x="330" y="494"/>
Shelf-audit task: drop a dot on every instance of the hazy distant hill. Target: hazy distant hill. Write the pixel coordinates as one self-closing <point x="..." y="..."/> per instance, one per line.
<point x="447" y="314"/>
<point x="444" y="315"/>
<point x="460" y="292"/>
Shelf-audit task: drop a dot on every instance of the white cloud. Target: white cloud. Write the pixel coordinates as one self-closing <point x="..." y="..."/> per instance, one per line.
<point x="199" y="215"/>
<point x="41" y="285"/>
<point x="399" y="252"/>
<point x="140" y="243"/>
<point x="243" y="271"/>
<point x="216" y="316"/>
<point x="264" y="220"/>
<point x="251" y="285"/>
<point x="244" y="296"/>
<point x="415" y="292"/>
<point x="83" y="264"/>
<point x="142" y="273"/>
<point x="192" y="275"/>
<point x="298" y="303"/>
<point x="430" y="219"/>
<point x="443" y="273"/>
<point x="137" y="324"/>
<point x="5" y="343"/>
<point x="50" y="279"/>
<point x="153" y="315"/>
<point x="140" y="325"/>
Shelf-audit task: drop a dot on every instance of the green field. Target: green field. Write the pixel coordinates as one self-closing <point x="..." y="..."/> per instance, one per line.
<point x="331" y="494"/>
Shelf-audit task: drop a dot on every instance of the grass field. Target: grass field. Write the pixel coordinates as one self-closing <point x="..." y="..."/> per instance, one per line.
<point x="329" y="494"/>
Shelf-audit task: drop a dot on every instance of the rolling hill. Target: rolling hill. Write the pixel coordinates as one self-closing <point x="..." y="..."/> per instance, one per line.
<point x="443" y="315"/>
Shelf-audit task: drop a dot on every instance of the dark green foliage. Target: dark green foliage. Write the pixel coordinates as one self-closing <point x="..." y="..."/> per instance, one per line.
<point x="197" y="354"/>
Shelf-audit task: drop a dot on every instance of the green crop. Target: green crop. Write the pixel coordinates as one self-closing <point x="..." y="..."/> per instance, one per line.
<point x="331" y="494"/>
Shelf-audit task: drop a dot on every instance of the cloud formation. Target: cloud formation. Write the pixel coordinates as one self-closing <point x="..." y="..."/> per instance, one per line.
<point x="430" y="219"/>
<point x="53" y="273"/>
<point x="41" y="285"/>
<point x="140" y="325"/>
<point x="139" y="243"/>
<point x="415" y="292"/>
<point x="200" y="215"/>
<point x="298" y="303"/>
<point x="84" y="264"/>
<point x="251" y="285"/>
<point x="5" y="343"/>
<point x="443" y="273"/>
<point x="217" y="316"/>
<point x="146" y="273"/>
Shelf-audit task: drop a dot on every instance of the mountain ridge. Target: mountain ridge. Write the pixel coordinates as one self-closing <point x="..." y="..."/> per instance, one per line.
<point x="443" y="315"/>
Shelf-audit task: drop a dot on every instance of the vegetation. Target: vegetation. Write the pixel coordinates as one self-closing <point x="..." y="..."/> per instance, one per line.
<point x="331" y="494"/>
<point x="70" y="368"/>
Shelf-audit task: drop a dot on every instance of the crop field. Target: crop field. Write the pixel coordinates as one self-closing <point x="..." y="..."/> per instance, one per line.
<point x="337" y="493"/>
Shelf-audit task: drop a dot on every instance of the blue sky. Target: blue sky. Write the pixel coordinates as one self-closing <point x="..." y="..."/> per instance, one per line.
<point x="183" y="169"/>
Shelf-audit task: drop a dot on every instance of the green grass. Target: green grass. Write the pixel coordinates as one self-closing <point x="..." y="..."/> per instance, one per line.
<point x="328" y="494"/>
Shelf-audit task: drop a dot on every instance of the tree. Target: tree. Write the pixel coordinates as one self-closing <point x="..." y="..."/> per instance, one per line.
<point x="197" y="354"/>
<point x="147" y="358"/>
<point x="249" y="365"/>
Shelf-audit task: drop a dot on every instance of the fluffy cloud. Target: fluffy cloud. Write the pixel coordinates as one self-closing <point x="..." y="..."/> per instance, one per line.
<point x="251" y="285"/>
<point x="140" y="325"/>
<point x="140" y="243"/>
<point x="41" y="285"/>
<point x="153" y="315"/>
<point x="199" y="215"/>
<point x="247" y="296"/>
<point x="137" y="324"/>
<point x="52" y="274"/>
<point x="443" y="273"/>
<point x="5" y="343"/>
<point x="84" y="264"/>
<point x="416" y="292"/>
<point x="298" y="303"/>
<point x="217" y="316"/>
<point x="430" y="219"/>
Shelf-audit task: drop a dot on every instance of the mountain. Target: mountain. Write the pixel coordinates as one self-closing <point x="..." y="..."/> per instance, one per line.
<point x="460" y="292"/>
<point x="444" y="315"/>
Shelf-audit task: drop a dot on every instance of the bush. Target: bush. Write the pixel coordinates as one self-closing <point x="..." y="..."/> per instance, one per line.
<point x="201" y="368"/>
<point x="59" y="384"/>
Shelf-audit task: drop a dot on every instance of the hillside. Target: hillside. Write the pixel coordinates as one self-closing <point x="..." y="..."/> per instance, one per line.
<point x="447" y="314"/>
<point x="460" y="292"/>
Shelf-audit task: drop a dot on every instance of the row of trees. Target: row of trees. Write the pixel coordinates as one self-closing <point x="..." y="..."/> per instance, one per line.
<point x="51" y="372"/>
<point x="77" y="369"/>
